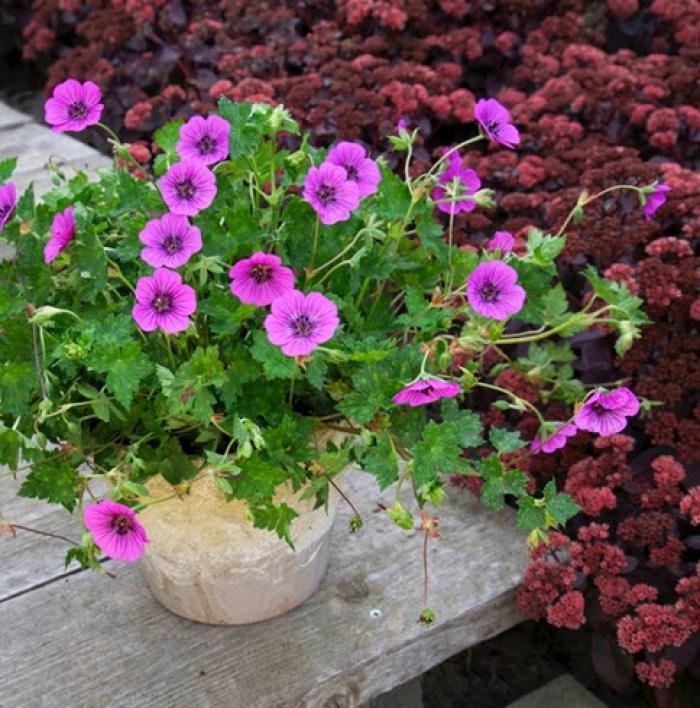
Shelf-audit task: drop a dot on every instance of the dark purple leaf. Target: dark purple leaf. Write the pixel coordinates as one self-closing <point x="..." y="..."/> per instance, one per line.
<point x="614" y="667"/>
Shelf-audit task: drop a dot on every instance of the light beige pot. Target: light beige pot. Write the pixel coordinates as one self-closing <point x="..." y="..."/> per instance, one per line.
<point x="206" y="562"/>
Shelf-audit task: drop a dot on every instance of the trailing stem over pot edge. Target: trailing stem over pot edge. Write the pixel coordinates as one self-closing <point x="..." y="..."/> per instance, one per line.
<point x="217" y="312"/>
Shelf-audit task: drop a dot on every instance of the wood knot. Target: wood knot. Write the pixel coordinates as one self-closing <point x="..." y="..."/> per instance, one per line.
<point x="353" y="591"/>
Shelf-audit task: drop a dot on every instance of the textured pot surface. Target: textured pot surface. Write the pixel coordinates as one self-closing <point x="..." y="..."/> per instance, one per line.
<point x="206" y="562"/>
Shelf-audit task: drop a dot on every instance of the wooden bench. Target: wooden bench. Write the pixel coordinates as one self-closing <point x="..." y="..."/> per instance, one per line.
<point x="70" y="638"/>
<point x="74" y="638"/>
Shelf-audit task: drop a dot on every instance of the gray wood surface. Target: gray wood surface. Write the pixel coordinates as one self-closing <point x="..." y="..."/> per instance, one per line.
<point x="29" y="560"/>
<point x="36" y="144"/>
<point x="106" y="642"/>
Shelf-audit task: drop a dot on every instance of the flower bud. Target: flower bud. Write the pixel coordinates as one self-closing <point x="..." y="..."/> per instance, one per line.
<point x="427" y="616"/>
<point x="401" y="516"/>
<point x="485" y="198"/>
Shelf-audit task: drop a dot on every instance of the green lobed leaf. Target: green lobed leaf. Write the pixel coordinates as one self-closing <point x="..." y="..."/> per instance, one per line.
<point x="17" y="383"/>
<point x="382" y="461"/>
<point x="277" y="518"/>
<point x="505" y="441"/>
<point x="438" y="451"/>
<point x="54" y="480"/>
<point x="7" y="167"/>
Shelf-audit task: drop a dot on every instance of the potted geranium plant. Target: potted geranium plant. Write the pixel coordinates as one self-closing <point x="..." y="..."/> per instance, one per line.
<point x="199" y="333"/>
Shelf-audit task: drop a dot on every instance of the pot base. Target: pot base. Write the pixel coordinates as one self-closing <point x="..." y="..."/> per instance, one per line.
<point x="206" y="562"/>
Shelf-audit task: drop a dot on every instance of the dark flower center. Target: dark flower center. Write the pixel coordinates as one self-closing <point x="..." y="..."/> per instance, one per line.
<point x="490" y="292"/>
<point x="302" y="325"/>
<point x="261" y="273"/>
<point x="172" y="244"/>
<point x="352" y="172"/>
<point x="326" y="194"/>
<point x="493" y="126"/>
<point x="77" y="110"/>
<point x="122" y="524"/>
<point x="4" y="209"/>
<point x="206" y="144"/>
<point x="597" y="408"/>
<point x="162" y="303"/>
<point x="185" y="189"/>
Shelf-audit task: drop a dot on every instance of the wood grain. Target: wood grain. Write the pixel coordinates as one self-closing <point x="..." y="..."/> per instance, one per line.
<point x="30" y="560"/>
<point x="108" y="643"/>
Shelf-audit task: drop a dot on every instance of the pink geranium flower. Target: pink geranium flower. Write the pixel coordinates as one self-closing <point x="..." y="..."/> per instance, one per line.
<point x="655" y="200"/>
<point x="188" y="187"/>
<point x="495" y="122"/>
<point x="358" y="167"/>
<point x="493" y="290"/>
<point x="116" y="530"/>
<point x="456" y="187"/>
<point x="73" y="106"/>
<point x="606" y="412"/>
<point x="556" y="440"/>
<point x="330" y="193"/>
<point x="62" y="233"/>
<point x="260" y="279"/>
<point x="298" y="323"/>
<point x="163" y="301"/>
<point x="426" y="390"/>
<point x="204" y="139"/>
<point x="8" y="202"/>
<point x="502" y="241"/>
<point x="169" y="241"/>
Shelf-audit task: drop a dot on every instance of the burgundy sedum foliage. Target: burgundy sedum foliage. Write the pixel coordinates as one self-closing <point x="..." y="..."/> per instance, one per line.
<point x="608" y="92"/>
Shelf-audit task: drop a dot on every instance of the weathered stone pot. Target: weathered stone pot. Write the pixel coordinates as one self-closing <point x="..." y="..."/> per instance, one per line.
<point x="206" y="562"/>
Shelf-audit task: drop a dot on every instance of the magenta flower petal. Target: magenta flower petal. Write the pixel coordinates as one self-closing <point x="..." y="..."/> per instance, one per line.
<point x="606" y="412"/>
<point x="358" y="167"/>
<point x="556" y="440"/>
<point x="298" y="323"/>
<point x="62" y="233"/>
<point x="655" y="200"/>
<point x="426" y="390"/>
<point x="116" y="530"/>
<point x="260" y="279"/>
<point x="495" y="122"/>
<point x="205" y="140"/>
<point x="455" y="187"/>
<point x="73" y="106"/>
<point x="330" y="193"/>
<point x="8" y="202"/>
<point x="163" y="301"/>
<point x="188" y="187"/>
<point x="170" y="241"/>
<point x="493" y="292"/>
<point x="502" y="241"/>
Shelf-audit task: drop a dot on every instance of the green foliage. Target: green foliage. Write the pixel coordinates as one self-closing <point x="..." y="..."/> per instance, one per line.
<point x="382" y="461"/>
<point x="54" y="480"/>
<point x="7" y="167"/>
<point x="219" y="398"/>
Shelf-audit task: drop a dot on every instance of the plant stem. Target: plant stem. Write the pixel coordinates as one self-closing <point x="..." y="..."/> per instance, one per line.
<point x="425" y="567"/>
<point x="585" y="201"/>
<point x="447" y="153"/>
<point x="344" y="496"/>
<point x="39" y="532"/>
<point x="516" y="398"/>
<point x="314" y="247"/>
<point x="450" y="238"/>
<point x="291" y="387"/>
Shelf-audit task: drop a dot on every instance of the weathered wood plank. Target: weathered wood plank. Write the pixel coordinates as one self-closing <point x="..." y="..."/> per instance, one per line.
<point x="10" y="118"/>
<point x="333" y="650"/>
<point x="35" y="145"/>
<point x="30" y="560"/>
